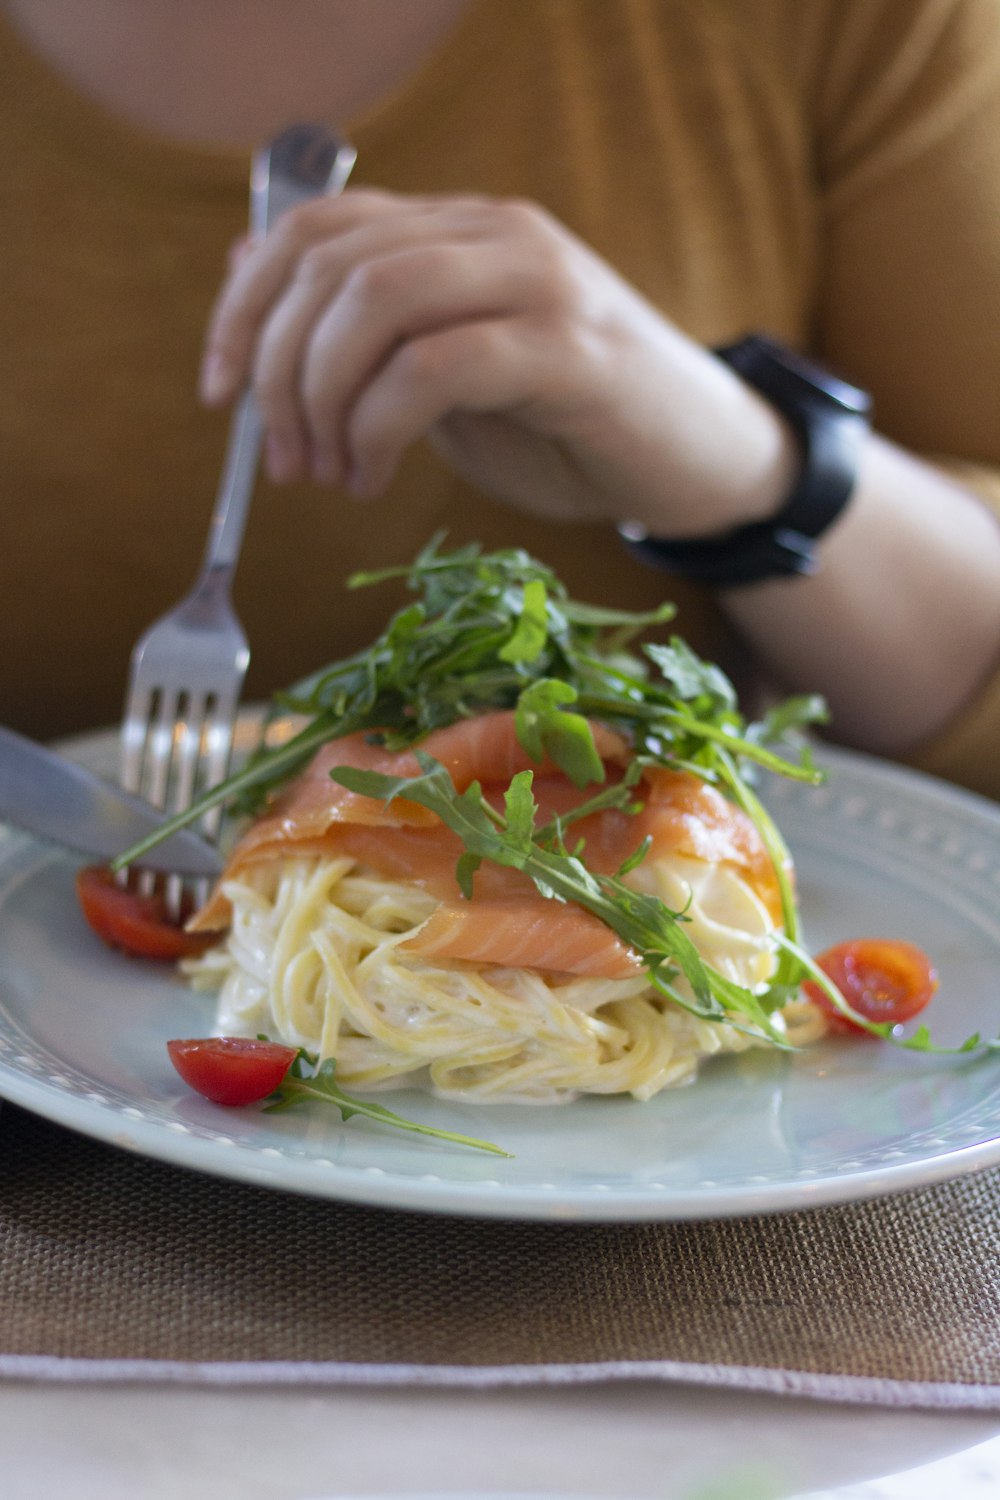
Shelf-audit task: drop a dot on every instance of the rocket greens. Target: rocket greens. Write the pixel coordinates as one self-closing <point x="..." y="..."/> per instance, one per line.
<point x="499" y="631"/>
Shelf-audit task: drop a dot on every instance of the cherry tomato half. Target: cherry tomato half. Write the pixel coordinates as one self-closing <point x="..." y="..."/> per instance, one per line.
<point x="134" y="923"/>
<point x="231" y="1069"/>
<point x="881" y="978"/>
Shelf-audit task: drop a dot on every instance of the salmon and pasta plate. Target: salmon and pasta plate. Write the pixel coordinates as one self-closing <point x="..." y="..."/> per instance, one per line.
<point x="348" y="935"/>
<point x="508" y="854"/>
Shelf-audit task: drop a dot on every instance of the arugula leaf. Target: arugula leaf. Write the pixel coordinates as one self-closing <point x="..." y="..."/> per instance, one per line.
<point x="543" y="728"/>
<point x="790" y="717"/>
<point x="307" y="1080"/>
<point x="693" y="679"/>
<point x="531" y="632"/>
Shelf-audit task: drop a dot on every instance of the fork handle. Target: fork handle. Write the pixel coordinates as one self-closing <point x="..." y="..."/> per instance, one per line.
<point x="305" y="161"/>
<point x="232" y="505"/>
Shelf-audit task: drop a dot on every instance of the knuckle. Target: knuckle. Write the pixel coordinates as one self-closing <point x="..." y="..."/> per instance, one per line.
<point x="421" y="362"/>
<point x="444" y="358"/>
<point x="523" y="216"/>
<point x="320" y="218"/>
<point x="548" y="255"/>
<point x="434" y="265"/>
<point x="302" y="224"/>
<point x="583" y="344"/>
<point x="569" y="299"/>
<point x="315" y="265"/>
<point x="376" y="281"/>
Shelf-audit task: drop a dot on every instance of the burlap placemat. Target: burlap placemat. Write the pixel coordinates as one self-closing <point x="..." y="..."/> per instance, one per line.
<point x="115" y="1267"/>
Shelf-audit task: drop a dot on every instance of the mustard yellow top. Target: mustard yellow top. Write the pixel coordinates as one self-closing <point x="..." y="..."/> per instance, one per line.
<point x="827" y="170"/>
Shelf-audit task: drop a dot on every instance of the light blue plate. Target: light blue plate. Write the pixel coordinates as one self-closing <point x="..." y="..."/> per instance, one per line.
<point x="879" y="852"/>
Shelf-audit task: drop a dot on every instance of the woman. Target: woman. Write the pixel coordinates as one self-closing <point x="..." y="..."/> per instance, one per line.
<point x="682" y="174"/>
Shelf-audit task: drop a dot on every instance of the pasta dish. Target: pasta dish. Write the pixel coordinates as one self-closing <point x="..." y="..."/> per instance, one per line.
<point x="508" y="857"/>
<point x="348" y="935"/>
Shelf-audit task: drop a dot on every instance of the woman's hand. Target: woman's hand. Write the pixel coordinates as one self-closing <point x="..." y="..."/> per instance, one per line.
<point x="373" y="320"/>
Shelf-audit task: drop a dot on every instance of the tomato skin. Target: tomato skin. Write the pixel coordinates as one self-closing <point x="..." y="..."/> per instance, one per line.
<point x="883" y="979"/>
<point x="231" y="1069"/>
<point x="136" y="924"/>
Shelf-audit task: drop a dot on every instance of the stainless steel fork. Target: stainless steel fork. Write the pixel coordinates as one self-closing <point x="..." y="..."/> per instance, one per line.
<point x="187" y="670"/>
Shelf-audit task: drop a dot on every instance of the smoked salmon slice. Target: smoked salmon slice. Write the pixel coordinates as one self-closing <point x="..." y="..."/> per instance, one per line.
<point x="508" y="921"/>
<point x="526" y="932"/>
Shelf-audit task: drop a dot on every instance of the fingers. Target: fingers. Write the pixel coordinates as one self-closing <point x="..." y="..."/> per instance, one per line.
<point x="261" y="270"/>
<point x="384" y="316"/>
<point x="366" y="321"/>
<point x="325" y="274"/>
<point x="474" y="367"/>
<point x="346" y="308"/>
<point x="257" y="273"/>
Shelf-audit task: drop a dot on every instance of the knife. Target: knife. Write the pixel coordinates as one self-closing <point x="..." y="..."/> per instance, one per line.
<point x="45" y="794"/>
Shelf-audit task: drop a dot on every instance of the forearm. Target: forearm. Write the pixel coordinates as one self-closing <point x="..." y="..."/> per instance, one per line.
<point x="901" y="622"/>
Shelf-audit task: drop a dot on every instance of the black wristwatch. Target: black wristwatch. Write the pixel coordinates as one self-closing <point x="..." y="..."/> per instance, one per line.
<point x="831" y="419"/>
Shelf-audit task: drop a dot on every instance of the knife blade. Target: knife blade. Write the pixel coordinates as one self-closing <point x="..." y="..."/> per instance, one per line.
<point x="45" y="794"/>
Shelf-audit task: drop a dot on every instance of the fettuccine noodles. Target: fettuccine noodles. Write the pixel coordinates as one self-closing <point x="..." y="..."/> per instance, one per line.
<point x="315" y="958"/>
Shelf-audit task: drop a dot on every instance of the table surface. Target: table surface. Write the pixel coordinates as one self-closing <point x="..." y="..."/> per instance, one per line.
<point x="626" y="1441"/>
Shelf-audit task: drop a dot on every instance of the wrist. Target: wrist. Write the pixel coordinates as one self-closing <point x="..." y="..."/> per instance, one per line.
<point x="825" y="426"/>
<point x="731" y="461"/>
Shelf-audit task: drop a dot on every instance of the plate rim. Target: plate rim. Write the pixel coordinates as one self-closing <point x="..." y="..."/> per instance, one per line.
<point x="360" y="1186"/>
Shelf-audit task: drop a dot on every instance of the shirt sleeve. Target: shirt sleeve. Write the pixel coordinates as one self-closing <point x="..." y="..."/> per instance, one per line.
<point x="908" y="160"/>
<point x="907" y="108"/>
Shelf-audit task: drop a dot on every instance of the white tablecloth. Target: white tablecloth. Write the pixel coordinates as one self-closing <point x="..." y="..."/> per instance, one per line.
<point x="633" y="1442"/>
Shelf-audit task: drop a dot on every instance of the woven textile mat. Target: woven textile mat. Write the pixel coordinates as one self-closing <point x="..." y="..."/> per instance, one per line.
<point x="116" y="1267"/>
